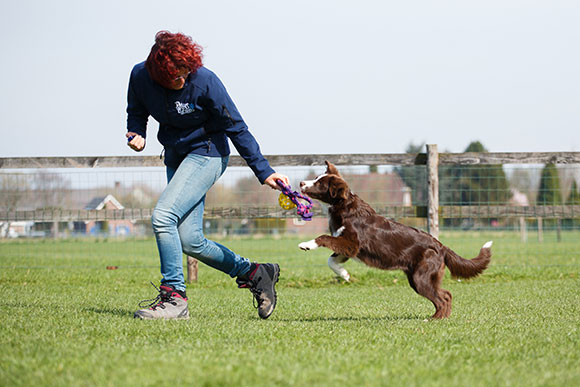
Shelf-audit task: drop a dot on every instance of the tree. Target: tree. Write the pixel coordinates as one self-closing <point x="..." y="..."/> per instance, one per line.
<point x="549" y="191"/>
<point x="574" y="196"/>
<point x="13" y="191"/>
<point x="474" y="184"/>
<point x="573" y="200"/>
<point x="51" y="190"/>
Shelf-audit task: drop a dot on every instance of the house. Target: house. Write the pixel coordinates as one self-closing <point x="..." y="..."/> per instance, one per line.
<point x="113" y="227"/>
<point x="380" y="189"/>
<point x="519" y="199"/>
<point x="16" y="229"/>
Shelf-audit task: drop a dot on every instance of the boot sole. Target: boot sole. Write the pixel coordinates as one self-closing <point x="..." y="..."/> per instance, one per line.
<point x="146" y="317"/>
<point x="140" y="317"/>
<point x="275" y="281"/>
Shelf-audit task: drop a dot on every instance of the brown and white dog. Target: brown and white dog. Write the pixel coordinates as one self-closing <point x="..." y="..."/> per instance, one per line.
<point x="359" y="232"/>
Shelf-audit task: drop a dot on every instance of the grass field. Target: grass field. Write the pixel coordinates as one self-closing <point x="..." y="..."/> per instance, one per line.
<point x="66" y="320"/>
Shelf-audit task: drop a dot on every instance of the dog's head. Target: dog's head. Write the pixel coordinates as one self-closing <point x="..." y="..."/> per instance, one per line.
<point x="329" y="187"/>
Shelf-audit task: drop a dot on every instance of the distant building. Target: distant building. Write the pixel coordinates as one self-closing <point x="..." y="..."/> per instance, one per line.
<point x="384" y="189"/>
<point x="519" y="199"/>
<point x="112" y="227"/>
<point x="16" y="229"/>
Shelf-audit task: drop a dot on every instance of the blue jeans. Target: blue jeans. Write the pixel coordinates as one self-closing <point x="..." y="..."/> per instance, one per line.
<point x="178" y="221"/>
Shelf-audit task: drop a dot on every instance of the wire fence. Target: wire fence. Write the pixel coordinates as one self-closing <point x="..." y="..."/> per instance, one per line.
<point x="44" y="200"/>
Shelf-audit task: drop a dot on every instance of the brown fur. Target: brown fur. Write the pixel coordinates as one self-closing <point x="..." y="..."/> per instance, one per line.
<point x="388" y="245"/>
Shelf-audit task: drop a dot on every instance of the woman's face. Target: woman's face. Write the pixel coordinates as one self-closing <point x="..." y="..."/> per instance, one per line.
<point x="179" y="81"/>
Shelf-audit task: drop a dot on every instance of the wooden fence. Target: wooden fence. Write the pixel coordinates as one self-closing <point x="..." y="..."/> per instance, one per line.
<point x="432" y="159"/>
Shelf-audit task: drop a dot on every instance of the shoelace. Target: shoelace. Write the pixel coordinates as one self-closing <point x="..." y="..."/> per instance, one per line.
<point x="256" y="292"/>
<point x="158" y="301"/>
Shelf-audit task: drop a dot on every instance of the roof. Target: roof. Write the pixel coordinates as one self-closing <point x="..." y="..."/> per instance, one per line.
<point x="99" y="202"/>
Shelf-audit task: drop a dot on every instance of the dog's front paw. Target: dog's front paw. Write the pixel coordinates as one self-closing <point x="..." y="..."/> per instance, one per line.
<point x="310" y="245"/>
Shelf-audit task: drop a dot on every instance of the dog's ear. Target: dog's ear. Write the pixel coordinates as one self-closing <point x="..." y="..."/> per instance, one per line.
<point x="331" y="169"/>
<point x="338" y="189"/>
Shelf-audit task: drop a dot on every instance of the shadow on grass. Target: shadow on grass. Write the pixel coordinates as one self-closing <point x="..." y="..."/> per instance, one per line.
<point x="112" y="311"/>
<point x="407" y="317"/>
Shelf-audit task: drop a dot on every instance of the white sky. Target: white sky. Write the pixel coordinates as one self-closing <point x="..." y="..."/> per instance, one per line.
<point x="308" y="76"/>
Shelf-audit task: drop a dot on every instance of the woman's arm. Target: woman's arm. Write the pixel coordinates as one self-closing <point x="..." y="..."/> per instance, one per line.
<point x="137" y="116"/>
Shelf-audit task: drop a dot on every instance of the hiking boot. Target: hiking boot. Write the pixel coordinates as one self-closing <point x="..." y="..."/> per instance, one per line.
<point x="169" y="304"/>
<point x="261" y="280"/>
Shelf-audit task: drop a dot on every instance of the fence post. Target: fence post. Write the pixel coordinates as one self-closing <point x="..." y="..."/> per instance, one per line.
<point x="191" y="269"/>
<point x="523" y="230"/>
<point x="433" y="190"/>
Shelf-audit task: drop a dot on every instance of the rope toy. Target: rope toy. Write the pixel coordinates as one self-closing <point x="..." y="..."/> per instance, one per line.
<point x="288" y="200"/>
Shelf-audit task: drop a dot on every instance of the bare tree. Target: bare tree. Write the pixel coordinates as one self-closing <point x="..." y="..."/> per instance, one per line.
<point x="51" y="190"/>
<point x="13" y="189"/>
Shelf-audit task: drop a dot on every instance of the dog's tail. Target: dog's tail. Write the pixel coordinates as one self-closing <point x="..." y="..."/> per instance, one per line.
<point x="468" y="268"/>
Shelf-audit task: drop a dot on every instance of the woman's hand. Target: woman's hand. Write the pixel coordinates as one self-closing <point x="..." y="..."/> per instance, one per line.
<point x="137" y="143"/>
<point x="271" y="180"/>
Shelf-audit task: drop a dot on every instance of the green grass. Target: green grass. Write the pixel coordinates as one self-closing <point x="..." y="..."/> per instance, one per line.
<point x="66" y="320"/>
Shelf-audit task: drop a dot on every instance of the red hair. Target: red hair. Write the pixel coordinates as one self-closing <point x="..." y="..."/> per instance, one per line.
<point x="170" y="54"/>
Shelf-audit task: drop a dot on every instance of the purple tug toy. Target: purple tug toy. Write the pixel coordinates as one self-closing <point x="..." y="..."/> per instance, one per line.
<point x="302" y="209"/>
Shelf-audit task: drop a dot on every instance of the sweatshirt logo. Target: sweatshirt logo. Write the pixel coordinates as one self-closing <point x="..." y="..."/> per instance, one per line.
<point x="184" y="108"/>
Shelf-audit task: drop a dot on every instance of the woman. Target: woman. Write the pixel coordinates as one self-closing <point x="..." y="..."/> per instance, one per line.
<point x="196" y="118"/>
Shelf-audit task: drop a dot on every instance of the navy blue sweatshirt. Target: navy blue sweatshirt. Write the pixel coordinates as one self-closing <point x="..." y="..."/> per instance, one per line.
<point x="199" y="118"/>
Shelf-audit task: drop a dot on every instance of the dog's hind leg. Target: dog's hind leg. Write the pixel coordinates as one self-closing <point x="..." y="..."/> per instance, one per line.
<point x="411" y="281"/>
<point x="426" y="279"/>
<point x="444" y="295"/>
<point x="334" y="262"/>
